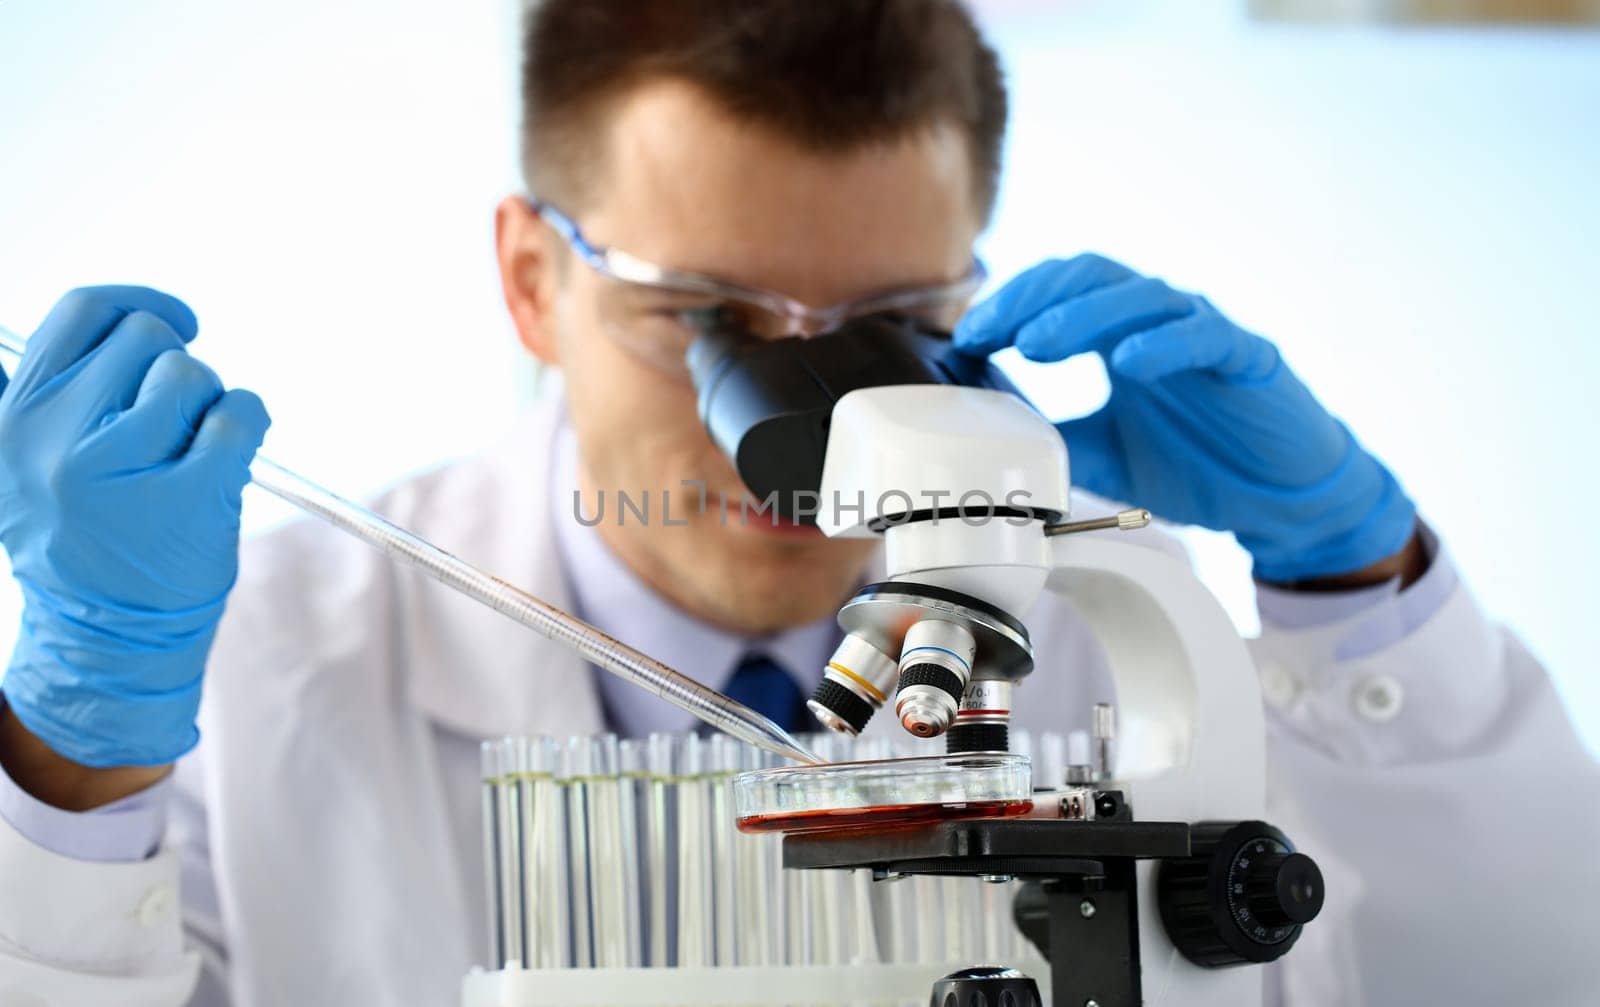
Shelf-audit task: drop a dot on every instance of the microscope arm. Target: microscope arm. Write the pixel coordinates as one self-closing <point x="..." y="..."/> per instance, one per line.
<point x="1189" y="703"/>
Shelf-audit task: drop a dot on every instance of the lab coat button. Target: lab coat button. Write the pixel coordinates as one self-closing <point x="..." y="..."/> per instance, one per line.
<point x="1378" y="698"/>
<point x="1279" y="686"/>
<point x="155" y="906"/>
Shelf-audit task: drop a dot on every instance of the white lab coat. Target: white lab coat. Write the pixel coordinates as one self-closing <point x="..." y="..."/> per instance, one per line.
<point x="326" y="832"/>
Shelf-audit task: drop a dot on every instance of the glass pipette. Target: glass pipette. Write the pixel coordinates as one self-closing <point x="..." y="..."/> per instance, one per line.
<point x="712" y="707"/>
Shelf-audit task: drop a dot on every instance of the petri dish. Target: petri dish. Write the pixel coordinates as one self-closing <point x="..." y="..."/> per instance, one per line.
<point x="883" y="794"/>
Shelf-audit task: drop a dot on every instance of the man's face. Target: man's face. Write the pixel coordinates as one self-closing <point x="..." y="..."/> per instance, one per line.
<point x="685" y="187"/>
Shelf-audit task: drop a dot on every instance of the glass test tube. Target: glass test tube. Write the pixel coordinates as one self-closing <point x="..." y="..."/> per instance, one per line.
<point x="772" y="873"/>
<point x="832" y="939"/>
<point x="1020" y="741"/>
<point x="1078" y="749"/>
<point x="863" y="931"/>
<point x="545" y="877"/>
<point x="489" y="770"/>
<point x="724" y="762"/>
<point x="1050" y="761"/>
<point x="610" y="896"/>
<point x="661" y="854"/>
<point x="696" y="897"/>
<point x="996" y="917"/>
<point x="753" y="899"/>
<point x="902" y="924"/>
<point x="520" y="753"/>
<point x="577" y="770"/>
<point x="971" y="905"/>
<point x="511" y="852"/>
<point x="802" y="892"/>
<point x="633" y="795"/>
<point x="871" y="939"/>
<point x="931" y="920"/>
<point x="797" y="918"/>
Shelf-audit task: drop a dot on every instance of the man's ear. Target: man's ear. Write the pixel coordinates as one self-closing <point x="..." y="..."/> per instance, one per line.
<point x="528" y="277"/>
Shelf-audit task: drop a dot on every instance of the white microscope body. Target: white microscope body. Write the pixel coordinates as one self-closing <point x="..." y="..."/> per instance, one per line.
<point x="1187" y="691"/>
<point x="969" y="488"/>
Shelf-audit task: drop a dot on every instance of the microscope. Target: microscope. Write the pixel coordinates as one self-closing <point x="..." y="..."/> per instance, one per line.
<point x="1153" y="880"/>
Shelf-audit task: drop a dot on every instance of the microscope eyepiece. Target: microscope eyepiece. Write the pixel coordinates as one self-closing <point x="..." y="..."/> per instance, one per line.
<point x="935" y="666"/>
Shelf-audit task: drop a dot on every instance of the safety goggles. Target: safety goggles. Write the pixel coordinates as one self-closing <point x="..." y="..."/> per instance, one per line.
<point x="656" y="313"/>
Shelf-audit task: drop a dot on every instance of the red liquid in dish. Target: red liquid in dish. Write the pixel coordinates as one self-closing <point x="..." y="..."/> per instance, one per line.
<point x="882" y="816"/>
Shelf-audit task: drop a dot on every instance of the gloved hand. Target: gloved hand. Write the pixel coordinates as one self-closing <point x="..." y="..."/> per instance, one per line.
<point x="1205" y="425"/>
<point x="122" y="461"/>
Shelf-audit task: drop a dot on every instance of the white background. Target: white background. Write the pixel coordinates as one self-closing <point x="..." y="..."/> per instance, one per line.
<point x="1411" y="213"/>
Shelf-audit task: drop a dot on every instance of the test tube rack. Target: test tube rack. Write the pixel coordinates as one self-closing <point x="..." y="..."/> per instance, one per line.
<point x="616" y="876"/>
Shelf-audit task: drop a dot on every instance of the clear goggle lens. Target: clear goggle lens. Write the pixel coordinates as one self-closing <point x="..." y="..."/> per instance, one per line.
<point x="656" y="313"/>
<point x="659" y="324"/>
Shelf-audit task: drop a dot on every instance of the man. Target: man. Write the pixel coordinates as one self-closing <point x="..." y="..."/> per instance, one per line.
<point x="323" y="819"/>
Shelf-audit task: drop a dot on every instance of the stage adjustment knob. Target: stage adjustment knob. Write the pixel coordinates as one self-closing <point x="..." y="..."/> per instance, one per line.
<point x="985" y="986"/>
<point x="1241" y="896"/>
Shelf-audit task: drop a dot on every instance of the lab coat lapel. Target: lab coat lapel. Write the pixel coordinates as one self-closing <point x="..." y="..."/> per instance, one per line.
<point x="330" y="680"/>
<point x="470" y="668"/>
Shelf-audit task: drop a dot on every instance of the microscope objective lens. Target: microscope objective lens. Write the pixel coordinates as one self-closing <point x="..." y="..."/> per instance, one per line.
<point x="935" y="666"/>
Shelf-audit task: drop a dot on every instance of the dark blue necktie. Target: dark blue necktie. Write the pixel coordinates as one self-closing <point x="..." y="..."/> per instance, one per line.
<point x="766" y="686"/>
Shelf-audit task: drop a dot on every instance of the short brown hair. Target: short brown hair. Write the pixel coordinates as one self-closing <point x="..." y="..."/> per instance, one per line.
<point x="829" y="74"/>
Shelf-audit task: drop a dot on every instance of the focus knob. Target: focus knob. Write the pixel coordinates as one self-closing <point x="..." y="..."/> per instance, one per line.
<point x="986" y="986"/>
<point x="1241" y="895"/>
<point x="1283" y="890"/>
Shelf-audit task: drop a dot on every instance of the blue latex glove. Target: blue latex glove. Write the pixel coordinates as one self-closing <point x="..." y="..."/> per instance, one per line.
<point x="122" y="461"/>
<point x="1205" y="425"/>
